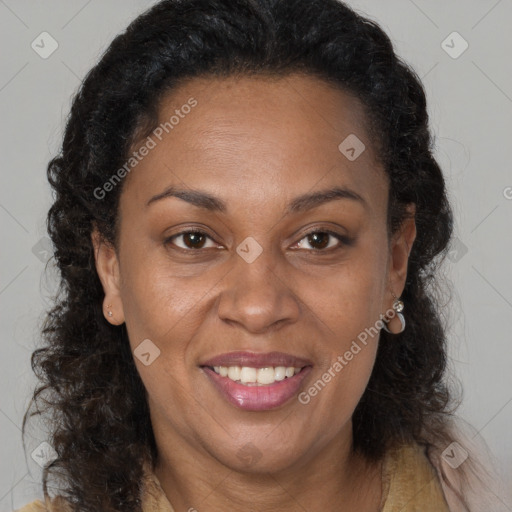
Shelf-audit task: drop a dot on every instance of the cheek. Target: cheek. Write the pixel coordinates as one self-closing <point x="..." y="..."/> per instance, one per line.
<point x="164" y="310"/>
<point x="156" y="302"/>
<point x="349" y="306"/>
<point x="349" y="298"/>
<point x="338" y="385"/>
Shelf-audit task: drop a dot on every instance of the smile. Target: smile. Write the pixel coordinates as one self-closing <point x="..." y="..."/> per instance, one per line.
<point x="255" y="381"/>
<point x="256" y="376"/>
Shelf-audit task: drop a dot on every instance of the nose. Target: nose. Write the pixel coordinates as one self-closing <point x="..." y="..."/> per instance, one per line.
<point x="258" y="296"/>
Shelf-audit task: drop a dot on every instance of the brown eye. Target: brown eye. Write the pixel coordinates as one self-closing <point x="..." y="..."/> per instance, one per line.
<point x="190" y="240"/>
<point x="194" y="240"/>
<point x="320" y="240"/>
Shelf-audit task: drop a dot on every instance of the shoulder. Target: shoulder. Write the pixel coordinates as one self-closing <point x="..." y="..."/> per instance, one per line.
<point x="410" y="483"/>
<point x="35" y="506"/>
<point x="153" y="497"/>
<point x="57" y="504"/>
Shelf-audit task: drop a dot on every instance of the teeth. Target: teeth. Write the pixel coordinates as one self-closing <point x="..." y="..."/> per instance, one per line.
<point x="256" y="376"/>
<point x="280" y="373"/>
<point x="234" y="372"/>
<point x="265" y="376"/>
<point x="248" y="375"/>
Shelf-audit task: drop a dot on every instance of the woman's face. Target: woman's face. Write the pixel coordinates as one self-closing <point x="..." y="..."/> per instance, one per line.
<point x="264" y="169"/>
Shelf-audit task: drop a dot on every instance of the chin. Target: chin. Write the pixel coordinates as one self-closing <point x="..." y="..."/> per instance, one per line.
<point x="259" y="456"/>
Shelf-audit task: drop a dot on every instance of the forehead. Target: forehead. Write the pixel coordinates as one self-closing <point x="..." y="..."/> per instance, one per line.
<point x="307" y="107"/>
<point x="259" y="135"/>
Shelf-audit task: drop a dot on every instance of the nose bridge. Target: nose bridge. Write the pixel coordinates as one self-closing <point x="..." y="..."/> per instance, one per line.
<point x="255" y="295"/>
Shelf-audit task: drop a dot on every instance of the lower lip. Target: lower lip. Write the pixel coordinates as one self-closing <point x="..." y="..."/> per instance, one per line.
<point x="258" y="398"/>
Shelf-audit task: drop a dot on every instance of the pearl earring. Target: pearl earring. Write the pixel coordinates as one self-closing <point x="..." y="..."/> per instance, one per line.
<point x="109" y="313"/>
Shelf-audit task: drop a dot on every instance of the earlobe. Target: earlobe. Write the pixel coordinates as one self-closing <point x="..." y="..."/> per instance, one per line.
<point x="107" y="267"/>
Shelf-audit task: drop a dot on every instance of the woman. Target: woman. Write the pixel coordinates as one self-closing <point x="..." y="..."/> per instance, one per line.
<point x="248" y="219"/>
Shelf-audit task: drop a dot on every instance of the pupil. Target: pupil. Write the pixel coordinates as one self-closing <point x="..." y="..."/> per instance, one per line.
<point x="323" y="237"/>
<point x="194" y="237"/>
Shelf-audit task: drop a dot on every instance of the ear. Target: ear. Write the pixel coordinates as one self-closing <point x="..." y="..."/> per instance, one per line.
<point x="107" y="266"/>
<point x="400" y="248"/>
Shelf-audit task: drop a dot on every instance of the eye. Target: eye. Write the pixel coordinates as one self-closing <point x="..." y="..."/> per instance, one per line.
<point x="319" y="240"/>
<point x="191" y="239"/>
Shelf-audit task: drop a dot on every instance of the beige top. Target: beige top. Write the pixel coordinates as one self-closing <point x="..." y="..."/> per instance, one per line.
<point x="409" y="484"/>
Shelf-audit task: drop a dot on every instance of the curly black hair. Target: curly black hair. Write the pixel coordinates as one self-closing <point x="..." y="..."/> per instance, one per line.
<point x="89" y="386"/>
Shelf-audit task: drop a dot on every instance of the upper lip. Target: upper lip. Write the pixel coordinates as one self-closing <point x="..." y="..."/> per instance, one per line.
<point x="257" y="360"/>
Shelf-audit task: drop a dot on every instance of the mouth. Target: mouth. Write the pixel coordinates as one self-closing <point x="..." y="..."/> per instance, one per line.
<point x="256" y="382"/>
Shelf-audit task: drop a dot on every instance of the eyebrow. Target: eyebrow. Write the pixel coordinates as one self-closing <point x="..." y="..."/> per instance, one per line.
<point x="301" y="203"/>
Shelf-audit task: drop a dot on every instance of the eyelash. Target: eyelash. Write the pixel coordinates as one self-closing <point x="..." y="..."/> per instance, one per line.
<point x="344" y="240"/>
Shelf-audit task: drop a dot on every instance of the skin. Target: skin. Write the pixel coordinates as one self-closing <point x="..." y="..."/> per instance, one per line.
<point x="256" y="143"/>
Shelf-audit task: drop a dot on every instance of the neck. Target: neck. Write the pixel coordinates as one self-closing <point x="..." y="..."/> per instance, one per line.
<point x="333" y="479"/>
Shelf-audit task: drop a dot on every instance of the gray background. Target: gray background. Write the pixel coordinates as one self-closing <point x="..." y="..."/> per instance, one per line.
<point x="470" y="104"/>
